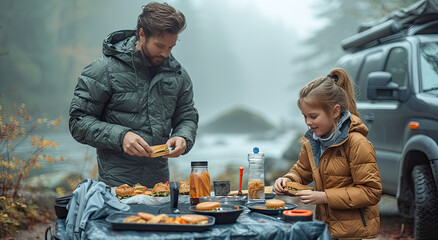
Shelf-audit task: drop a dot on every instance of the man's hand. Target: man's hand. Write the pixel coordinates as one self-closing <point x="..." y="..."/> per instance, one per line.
<point x="178" y="145"/>
<point x="134" y="145"/>
<point x="312" y="197"/>
<point x="280" y="185"/>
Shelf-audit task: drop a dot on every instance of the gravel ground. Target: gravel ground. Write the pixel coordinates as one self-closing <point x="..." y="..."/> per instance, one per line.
<point x="392" y="225"/>
<point x="36" y="231"/>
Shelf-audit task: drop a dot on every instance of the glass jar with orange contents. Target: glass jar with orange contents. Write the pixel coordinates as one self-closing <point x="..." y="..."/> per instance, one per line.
<point x="199" y="181"/>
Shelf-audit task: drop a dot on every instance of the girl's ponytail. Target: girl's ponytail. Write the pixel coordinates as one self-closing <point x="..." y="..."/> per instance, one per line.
<point x="343" y="80"/>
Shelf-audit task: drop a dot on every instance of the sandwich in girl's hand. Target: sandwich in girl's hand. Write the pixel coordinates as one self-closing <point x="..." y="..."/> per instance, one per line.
<point x="294" y="187"/>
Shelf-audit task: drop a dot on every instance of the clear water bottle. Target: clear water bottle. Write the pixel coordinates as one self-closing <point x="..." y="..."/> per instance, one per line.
<point x="199" y="181"/>
<point x="256" y="176"/>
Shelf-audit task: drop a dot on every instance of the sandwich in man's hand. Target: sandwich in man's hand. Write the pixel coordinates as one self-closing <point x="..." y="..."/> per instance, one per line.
<point x="294" y="187"/>
<point x="159" y="150"/>
<point x="160" y="190"/>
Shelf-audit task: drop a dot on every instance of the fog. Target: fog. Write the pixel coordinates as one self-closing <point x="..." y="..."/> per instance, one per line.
<point x="242" y="56"/>
<point x="238" y="53"/>
<point x="248" y="54"/>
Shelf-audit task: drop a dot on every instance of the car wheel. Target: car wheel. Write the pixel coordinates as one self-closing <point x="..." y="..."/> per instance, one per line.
<point x="426" y="203"/>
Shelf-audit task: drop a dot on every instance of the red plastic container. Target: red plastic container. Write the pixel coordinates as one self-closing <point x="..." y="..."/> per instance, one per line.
<point x="297" y="215"/>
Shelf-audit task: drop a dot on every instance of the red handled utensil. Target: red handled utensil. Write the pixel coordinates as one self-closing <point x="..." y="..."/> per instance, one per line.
<point x="240" y="182"/>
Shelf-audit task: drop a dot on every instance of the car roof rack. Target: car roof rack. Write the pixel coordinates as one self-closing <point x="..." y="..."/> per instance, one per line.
<point x="419" y="18"/>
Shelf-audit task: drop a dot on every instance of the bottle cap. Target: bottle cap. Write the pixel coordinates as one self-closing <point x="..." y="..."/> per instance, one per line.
<point x="255" y="150"/>
<point x="200" y="163"/>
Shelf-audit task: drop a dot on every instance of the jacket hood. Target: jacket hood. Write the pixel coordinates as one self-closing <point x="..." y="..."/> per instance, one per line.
<point x="358" y="126"/>
<point x="121" y="44"/>
<point x="352" y="123"/>
<point x="325" y="142"/>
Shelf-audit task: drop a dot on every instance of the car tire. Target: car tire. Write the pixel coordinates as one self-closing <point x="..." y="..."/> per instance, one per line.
<point x="426" y="203"/>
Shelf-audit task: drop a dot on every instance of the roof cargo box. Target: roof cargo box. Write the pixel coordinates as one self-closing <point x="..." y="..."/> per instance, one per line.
<point x="396" y="23"/>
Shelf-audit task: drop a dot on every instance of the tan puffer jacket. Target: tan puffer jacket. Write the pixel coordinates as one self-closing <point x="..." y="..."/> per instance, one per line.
<point x="348" y="173"/>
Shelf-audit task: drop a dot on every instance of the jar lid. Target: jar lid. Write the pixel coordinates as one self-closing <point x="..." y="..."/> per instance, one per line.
<point x="200" y="164"/>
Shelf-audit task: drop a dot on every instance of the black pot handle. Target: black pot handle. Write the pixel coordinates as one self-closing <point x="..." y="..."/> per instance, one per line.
<point x="49" y="230"/>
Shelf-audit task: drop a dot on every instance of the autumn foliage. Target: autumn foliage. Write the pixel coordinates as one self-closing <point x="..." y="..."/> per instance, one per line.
<point x="17" y="129"/>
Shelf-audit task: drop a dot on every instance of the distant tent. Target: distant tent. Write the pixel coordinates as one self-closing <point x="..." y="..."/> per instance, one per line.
<point x="237" y="120"/>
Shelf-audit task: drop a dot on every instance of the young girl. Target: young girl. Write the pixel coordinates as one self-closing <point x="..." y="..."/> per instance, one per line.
<point x="337" y="157"/>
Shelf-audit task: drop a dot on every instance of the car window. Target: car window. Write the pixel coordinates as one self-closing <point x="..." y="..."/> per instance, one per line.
<point x="373" y="62"/>
<point x="397" y="65"/>
<point x="351" y="65"/>
<point x="429" y="66"/>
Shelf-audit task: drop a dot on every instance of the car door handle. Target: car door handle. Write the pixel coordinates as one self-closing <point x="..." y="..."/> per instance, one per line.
<point x="369" y="117"/>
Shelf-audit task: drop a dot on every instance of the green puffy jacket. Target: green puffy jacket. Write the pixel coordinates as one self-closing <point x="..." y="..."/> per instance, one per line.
<point x="114" y="95"/>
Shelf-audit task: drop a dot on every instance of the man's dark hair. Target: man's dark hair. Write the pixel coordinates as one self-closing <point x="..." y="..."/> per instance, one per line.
<point x="160" y="18"/>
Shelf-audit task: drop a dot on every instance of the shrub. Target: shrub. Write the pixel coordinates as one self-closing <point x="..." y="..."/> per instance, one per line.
<point x="15" y="129"/>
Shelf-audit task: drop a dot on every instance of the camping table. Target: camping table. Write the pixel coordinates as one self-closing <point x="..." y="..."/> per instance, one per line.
<point x="249" y="225"/>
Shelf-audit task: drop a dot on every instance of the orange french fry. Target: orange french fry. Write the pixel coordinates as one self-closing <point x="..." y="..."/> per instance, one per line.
<point x="180" y="220"/>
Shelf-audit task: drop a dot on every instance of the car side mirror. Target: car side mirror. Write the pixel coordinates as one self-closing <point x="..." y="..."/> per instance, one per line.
<point x="380" y="86"/>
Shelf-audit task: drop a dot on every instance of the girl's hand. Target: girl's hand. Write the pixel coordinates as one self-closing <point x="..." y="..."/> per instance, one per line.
<point x="312" y="197"/>
<point x="280" y="185"/>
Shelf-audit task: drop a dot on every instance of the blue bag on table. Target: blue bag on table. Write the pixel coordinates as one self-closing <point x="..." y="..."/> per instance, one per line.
<point x="90" y="200"/>
<point x="304" y="231"/>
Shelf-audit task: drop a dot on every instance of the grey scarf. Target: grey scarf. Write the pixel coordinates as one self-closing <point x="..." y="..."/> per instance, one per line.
<point x="324" y="143"/>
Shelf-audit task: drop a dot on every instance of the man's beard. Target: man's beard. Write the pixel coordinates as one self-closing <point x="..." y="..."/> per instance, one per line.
<point x="154" y="61"/>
